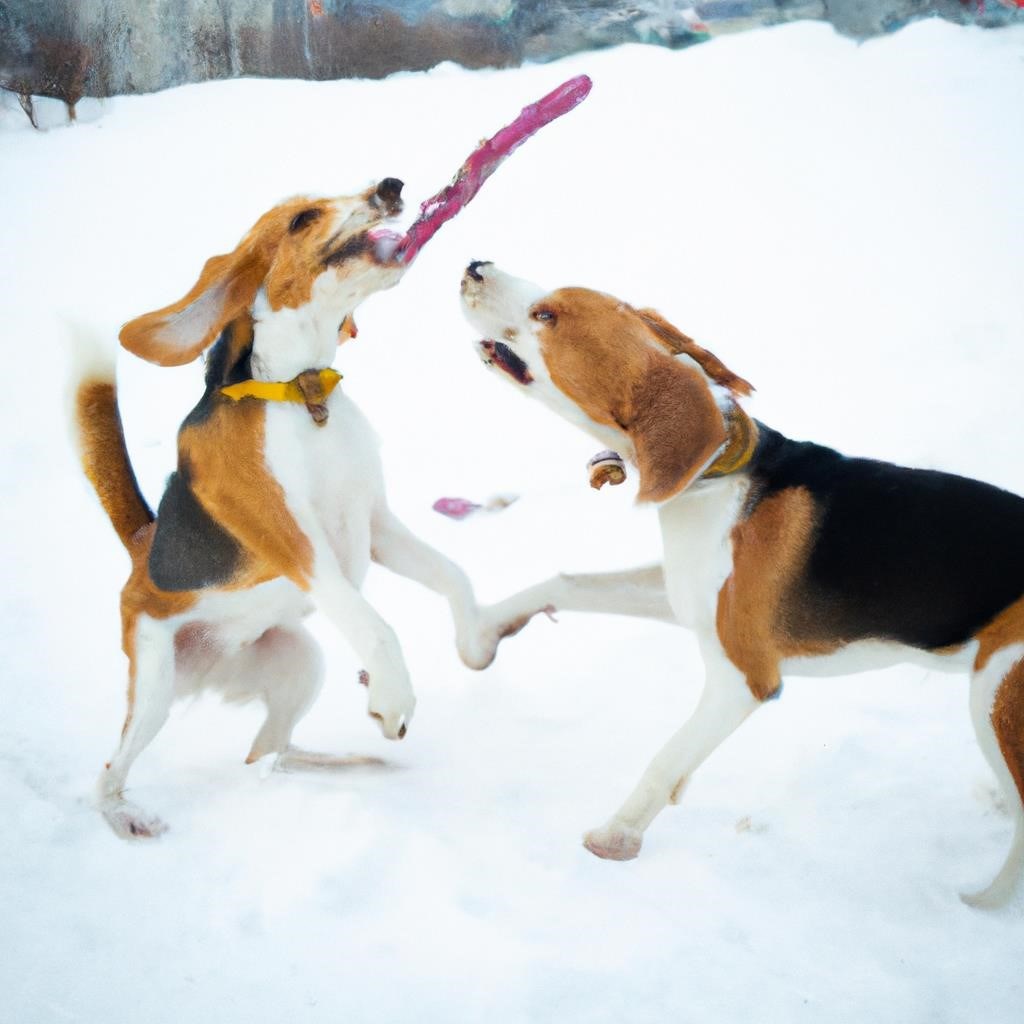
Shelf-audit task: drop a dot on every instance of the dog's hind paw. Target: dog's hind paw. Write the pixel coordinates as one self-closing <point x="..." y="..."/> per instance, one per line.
<point x="131" y="822"/>
<point x="266" y="764"/>
<point x="614" y="842"/>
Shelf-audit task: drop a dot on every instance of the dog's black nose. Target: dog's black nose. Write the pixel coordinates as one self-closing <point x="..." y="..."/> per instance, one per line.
<point x="474" y="271"/>
<point x="390" y="189"/>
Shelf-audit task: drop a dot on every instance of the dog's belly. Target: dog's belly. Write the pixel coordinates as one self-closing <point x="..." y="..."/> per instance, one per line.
<point x="873" y="655"/>
<point x="331" y="476"/>
<point x="230" y="619"/>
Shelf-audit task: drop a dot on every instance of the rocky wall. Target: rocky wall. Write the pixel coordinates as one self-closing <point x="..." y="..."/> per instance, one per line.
<point x="71" y="48"/>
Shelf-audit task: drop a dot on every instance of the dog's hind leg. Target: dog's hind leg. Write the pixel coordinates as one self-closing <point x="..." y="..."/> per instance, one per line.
<point x="726" y="702"/>
<point x="150" y="697"/>
<point x="285" y="668"/>
<point x="997" y="710"/>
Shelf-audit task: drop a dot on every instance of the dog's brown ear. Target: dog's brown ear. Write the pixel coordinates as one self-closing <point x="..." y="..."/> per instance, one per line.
<point x="676" y="427"/>
<point x="678" y="343"/>
<point x="178" y="333"/>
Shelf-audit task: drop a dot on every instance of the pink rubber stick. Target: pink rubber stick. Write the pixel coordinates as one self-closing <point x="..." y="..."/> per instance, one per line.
<point x="455" y="508"/>
<point x="484" y="160"/>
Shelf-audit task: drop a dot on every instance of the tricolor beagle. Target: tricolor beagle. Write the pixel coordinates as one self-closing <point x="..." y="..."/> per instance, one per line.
<point x="784" y="557"/>
<point x="278" y="499"/>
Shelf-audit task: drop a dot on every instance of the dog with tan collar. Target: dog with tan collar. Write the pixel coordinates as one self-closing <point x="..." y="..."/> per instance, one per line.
<point x="783" y="557"/>
<point x="278" y="501"/>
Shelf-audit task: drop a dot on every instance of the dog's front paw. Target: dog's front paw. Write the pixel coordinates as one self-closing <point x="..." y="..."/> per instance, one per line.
<point x="478" y="648"/>
<point x="391" y="703"/>
<point x="614" y="842"/>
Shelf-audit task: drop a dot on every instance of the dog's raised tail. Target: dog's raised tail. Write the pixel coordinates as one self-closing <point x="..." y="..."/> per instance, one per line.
<point x="97" y="426"/>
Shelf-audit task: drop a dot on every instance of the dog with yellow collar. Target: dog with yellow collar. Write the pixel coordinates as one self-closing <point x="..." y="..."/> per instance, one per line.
<point x="784" y="557"/>
<point x="251" y="531"/>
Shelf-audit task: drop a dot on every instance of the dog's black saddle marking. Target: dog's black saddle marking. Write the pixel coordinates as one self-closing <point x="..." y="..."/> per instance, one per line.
<point x="916" y="556"/>
<point x="191" y="550"/>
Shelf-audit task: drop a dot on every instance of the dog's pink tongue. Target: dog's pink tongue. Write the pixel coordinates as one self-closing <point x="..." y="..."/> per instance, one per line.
<point x="483" y="161"/>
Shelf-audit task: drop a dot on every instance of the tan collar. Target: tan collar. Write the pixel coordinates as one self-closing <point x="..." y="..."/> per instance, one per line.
<point x="741" y="441"/>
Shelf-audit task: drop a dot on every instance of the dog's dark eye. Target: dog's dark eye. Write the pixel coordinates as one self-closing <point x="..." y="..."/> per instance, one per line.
<point x="304" y="219"/>
<point x="545" y="316"/>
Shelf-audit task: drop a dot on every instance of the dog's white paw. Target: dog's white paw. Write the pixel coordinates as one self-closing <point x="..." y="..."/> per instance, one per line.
<point x="614" y="842"/>
<point x="478" y="647"/>
<point x="392" y="704"/>
<point x="131" y="822"/>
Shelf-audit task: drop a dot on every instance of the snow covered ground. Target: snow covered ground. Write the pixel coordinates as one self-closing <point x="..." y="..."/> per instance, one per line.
<point x="842" y="224"/>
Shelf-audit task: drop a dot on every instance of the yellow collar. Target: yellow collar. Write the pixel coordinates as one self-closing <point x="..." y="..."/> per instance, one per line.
<point x="282" y="391"/>
<point x="311" y="388"/>
<point x="741" y="442"/>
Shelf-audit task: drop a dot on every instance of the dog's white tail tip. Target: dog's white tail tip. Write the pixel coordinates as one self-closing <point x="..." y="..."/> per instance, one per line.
<point x="92" y="353"/>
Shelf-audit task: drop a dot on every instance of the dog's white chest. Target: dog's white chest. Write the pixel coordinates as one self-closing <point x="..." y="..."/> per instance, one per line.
<point x="331" y="476"/>
<point x="696" y="532"/>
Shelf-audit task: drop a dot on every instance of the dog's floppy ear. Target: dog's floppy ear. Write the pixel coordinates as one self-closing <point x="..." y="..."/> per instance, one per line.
<point x="177" y="333"/>
<point x="676" y="342"/>
<point x="676" y="427"/>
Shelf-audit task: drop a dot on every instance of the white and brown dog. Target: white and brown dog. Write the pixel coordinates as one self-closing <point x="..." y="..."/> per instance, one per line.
<point x="278" y="500"/>
<point x="784" y="557"/>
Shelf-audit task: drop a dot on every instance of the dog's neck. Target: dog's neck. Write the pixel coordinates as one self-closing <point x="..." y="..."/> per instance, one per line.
<point x="288" y="341"/>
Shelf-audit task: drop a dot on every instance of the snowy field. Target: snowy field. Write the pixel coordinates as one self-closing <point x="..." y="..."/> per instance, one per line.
<point x="844" y="226"/>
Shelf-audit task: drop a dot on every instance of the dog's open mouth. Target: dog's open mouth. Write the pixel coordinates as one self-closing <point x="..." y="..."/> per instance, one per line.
<point x="384" y="243"/>
<point x="379" y="243"/>
<point x="496" y="353"/>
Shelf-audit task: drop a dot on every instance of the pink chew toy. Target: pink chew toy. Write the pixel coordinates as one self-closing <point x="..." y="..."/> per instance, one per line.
<point x="479" y="166"/>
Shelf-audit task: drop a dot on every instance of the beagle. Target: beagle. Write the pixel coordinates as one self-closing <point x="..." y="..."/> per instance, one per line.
<point x="277" y="503"/>
<point x="784" y="557"/>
